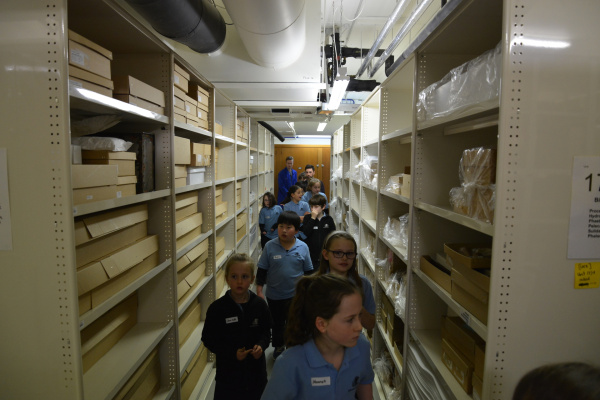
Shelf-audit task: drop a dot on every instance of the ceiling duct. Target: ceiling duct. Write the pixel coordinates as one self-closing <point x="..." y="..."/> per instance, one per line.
<point x="195" y="23"/>
<point x="273" y="31"/>
<point x="272" y="130"/>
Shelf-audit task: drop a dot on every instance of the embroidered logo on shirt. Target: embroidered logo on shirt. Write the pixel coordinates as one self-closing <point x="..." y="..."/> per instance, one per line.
<point x="231" y="320"/>
<point x="255" y="322"/>
<point x="316" y="227"/>
<point x="268" y="216"/>
<point x="326" y="226"/>
<point x="321" y="381"/>
<point x="277" y="257"/>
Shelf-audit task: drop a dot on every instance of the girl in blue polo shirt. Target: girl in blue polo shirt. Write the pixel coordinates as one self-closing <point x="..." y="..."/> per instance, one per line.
<point x="338" y="257"/>
<point x="293" y="202"/>
<point x="267" y="219"/>
<point x="327" y="356"/>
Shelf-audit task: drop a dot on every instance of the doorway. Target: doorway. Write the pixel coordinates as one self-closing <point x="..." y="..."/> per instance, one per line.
<point x="317" y="155"/>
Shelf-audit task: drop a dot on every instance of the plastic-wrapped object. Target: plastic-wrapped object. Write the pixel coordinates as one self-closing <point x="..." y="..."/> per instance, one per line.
<point x="466" y="86"/>
<point x="384" y="369"/>
<point x="337" y="174"/>
<point x="394" y="184"/>
<point x="101" y="143"/>
<point x="477" y="194"/>
<point x="395" y="231"/>
<point x="91" y="125"/>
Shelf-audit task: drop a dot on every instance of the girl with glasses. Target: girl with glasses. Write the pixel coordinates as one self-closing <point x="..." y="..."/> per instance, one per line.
<point x="338" y="257"/>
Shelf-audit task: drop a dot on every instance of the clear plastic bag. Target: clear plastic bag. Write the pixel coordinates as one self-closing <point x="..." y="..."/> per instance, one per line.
<point x="393" y="185"/>
<point x="464" y="87"/>
<point x="91" y="125"/>
<point x="384" y="369"/>
<point x="395" y="231"/>
<point x="337" y="174"/>
<point x="101" y="143"/>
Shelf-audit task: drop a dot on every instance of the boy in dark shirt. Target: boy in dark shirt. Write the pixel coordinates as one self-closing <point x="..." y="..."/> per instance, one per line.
<point x="317" y="227"/>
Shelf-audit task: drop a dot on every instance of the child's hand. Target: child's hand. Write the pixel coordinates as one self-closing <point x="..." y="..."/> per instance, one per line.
<point x="242" y="353"/>
<point x="264" y="233"/>
<point x="256" y="352"/>
<point x="315" y="211"/>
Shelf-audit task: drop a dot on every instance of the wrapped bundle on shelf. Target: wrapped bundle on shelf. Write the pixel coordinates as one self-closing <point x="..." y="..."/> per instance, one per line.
<point x="397" y="291"/>
<point x="468" y="86"/>
<point x="367" y="170"/>
<point x="395" y="231"/>
<point x="384" y="368"/>
<point x="476" y="197"/>
<point x="337" y="174"/>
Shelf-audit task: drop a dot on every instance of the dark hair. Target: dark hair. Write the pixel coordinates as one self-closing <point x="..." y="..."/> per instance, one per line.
<point x="316" y="296"/>
<point x="317" y="200"/>
<point x="288" y="158"/>
<point x="312" y="182"/>
<point x="272" y="201"/>
<point x="309" y="166"/>
<point x="293" y="189"/>
<point x="239" y="257"/>
<point x="571" y="380"/>
<point x="324" y="264"/>
<point x="289" y="218"/>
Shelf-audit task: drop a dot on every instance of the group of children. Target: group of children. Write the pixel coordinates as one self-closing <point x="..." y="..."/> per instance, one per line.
<point x="318" y="317"/>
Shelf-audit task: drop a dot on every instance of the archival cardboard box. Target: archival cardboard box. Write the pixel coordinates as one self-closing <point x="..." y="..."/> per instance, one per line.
<point x="127" y="84"/>
<point x="93" y="227"/>
<point x="189" y="320"/>
<point x="87" y="55"/>
<point x="438" y="273"/>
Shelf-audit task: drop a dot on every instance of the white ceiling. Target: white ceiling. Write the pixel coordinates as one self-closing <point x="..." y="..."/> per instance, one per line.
<point x="259" y="89"/>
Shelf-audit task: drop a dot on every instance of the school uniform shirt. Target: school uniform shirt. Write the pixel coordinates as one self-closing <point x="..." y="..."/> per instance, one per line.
<point x="268" y="218"/>
<point x="369" y="298"/>
<point x="230" y="326"/>
<point x="308" y="195"/>
<point x="301" y="373"/>
<point x="301" y="208"/>
<point x="316" y="230"/>
<point x="285" y="180"/>
<point x="283" y="268"/>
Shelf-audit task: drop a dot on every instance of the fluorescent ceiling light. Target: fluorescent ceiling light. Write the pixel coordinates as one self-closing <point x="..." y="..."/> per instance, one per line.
<point x="314" y="136"/>
<point x="321" y="126"/>
<point x="339" y="89"/>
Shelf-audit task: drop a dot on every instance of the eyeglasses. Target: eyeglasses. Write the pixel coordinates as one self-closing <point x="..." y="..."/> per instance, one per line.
<point x="339" y="254"/>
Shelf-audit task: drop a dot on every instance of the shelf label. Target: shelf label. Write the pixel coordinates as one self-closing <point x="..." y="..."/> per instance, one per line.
<point x="584" y="224"/>
<point x="587" y="275"/>
<point x="5" y="226"/>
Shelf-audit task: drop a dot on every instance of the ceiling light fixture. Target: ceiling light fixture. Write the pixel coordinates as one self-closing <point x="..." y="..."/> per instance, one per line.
<point x="314" y="136"/>
<point x="321" y="126"/>
<point x="339" y="89"/>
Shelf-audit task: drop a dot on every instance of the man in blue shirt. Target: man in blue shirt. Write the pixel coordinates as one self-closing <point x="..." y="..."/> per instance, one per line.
<point x="285" y="179"/>
<point x="283" y="261"/>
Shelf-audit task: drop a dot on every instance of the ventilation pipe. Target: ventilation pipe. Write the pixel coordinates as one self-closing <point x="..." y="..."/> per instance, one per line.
<point x="273" y="31"/>
<point x="272" y="130"/>
<point x="195" y="23"/>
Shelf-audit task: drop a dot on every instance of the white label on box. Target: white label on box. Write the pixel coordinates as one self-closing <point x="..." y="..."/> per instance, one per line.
<point x="5" y="225"/>
<point x="119" y="194"/>
<point x="199" y="98"/>
<point x="176" y="78"/>
<point x="188" y="108"/>
<point x="584" y="224"/>
<point x="77" y="57"/>
<point x="200" y="114"/>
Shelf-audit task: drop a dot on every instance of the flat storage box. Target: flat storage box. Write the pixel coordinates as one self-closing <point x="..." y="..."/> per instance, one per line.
<point x="198" y="252"/>
<point x="89" y="56"/>
<point x="474" y="289"/>
<point x="468" y="254"/>
<point x="99" y="272"/>
<point x="181" y="78"/>
<point x="81" y="78"/>
<point x="220" y="281"/>
<point x="461" y="368"/>
<point x="218" y="129"/>
<point x="479" y="360"/>
<point x="461" y="337"/>
<point x="126" y="190"/>
<point x="126" y="167"/>
<point x="195" y="175"/>
<point x="129" y="85"/>
<point x="182" y="150"/>
<point x="219" y="245"/>
<point x="200" y="154"/>
<point x="189" y="320"/>
<point x="185" y="199"/>
<point x="438" y="273"/>
<point x="470" y="303"/>
<point x="100" y="336"/>
<point x="241" y="232"/>
<point x="189" y="276"/>
<point x="221" y="208"/>
<point x="125" y="160"/>
<point x="188" y="224"/>
<point x="145" y="381"/>
<point x="93" y="194"/>
<point x="96" y="226"/>
<point x="179" y="115"/>
<point x="477" y="387"/>
<point x="180" y="171"/>
<point x="83" y="176"/>
<point x="143" y="147"/>
<point x="136" y="101"/>
<point x="199" y="94"/>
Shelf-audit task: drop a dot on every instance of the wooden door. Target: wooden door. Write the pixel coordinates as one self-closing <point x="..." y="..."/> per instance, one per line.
<point x="317" y="155"/>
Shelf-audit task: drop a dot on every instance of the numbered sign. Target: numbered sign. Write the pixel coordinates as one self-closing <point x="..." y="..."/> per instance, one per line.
<point x="584" y="225"/>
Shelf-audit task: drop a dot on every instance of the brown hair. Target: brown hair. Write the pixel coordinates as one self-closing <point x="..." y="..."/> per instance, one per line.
<point x="272" y="201"/>
<point x="316" y="296"/>
<point x="312" y="182"/>
<point x="570" y="380"/>
<point x="324" y="264"/>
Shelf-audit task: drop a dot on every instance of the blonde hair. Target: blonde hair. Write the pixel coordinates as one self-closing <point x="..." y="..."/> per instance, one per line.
<point x="239" y="257"/>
